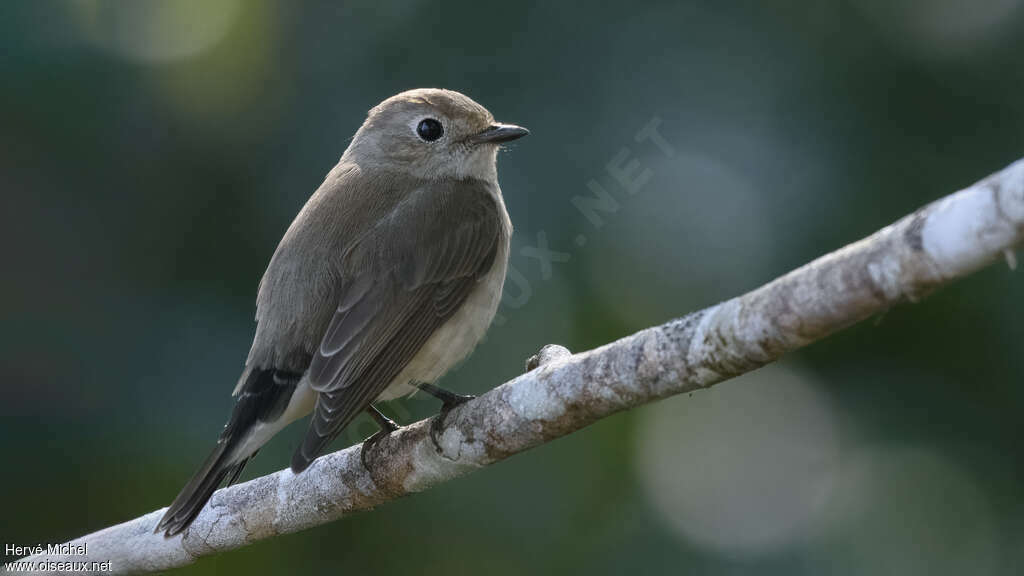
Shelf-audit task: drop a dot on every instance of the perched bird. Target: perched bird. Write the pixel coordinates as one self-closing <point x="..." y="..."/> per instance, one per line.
<point x="389" y="275"/>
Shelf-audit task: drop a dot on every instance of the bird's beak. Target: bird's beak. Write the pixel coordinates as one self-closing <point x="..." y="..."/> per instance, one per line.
<point x="497" y="133"/>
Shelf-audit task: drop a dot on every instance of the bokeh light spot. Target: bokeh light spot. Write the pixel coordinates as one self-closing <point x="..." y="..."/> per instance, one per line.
<point x="743" y="468"/>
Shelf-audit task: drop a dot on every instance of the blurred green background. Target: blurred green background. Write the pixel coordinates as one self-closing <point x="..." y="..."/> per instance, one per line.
<point x="153" y="153"/>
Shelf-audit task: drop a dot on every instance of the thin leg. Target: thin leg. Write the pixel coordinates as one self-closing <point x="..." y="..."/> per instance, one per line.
<point x="448" y="398"/>
<point x="387" y="426"/>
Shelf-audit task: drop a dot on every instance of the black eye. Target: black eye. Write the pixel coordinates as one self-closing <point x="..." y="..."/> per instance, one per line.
<point x="430" y="129"/>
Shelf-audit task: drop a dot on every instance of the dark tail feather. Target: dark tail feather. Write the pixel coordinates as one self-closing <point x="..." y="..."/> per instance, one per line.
<point x="263" y="398"/>
<point x="218" y="466"/>
<point x="237" y="470"/>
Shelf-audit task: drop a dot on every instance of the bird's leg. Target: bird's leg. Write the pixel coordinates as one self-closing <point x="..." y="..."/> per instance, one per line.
<point x="448" y="400"/>
<point x="387" y="426"/>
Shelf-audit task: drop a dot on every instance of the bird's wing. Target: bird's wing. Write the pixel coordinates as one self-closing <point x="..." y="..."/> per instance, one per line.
<point x="404" y="277"/>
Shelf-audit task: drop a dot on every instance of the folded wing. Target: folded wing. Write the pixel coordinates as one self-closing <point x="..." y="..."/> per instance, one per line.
<point x="404" y="278"/>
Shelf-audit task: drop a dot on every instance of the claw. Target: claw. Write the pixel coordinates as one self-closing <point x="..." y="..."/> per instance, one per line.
<point x="437" y="426"/>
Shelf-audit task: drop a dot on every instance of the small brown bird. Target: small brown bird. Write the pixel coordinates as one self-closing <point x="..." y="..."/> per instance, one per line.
<point x="389" y="276"/>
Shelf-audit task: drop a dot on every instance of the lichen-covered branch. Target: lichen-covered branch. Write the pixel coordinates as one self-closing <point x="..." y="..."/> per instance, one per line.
<point x="562" y="393"/>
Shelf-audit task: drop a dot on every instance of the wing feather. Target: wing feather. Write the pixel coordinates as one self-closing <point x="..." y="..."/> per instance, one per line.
<point x="407" y="276"/>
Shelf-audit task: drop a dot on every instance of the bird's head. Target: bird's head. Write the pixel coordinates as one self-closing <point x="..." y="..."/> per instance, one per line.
<point x="431" y="133"/>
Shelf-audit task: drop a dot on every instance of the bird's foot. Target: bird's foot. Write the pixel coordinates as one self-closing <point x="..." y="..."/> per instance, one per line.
<point x="387" y="426"/>
<point x="449" y="400"/>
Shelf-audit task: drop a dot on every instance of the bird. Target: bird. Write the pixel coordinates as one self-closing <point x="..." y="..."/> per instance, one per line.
<point x="389" y="276"/>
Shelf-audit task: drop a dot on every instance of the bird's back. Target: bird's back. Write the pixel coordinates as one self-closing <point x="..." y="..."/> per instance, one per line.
<point x="300" y="289"/>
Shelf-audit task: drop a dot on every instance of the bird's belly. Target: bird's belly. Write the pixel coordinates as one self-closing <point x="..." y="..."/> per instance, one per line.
<point x="457" y="337"/>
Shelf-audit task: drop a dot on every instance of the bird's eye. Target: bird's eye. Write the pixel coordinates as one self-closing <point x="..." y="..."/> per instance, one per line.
<point x="430" y="129"/>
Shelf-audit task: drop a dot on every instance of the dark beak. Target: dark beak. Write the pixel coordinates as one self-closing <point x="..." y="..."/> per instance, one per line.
<point x="497" y="133"/>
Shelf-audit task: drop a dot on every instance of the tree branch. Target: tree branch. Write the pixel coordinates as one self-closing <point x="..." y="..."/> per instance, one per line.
<point x="945" y="240"/>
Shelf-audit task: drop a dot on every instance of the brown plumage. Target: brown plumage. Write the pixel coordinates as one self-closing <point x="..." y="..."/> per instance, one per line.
<point x="388" y="276"/>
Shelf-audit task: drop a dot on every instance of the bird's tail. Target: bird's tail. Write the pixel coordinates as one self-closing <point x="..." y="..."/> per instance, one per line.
<point x="221" y="464"/>
<point x="257" y="416"/>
